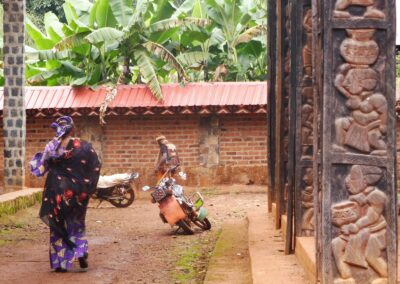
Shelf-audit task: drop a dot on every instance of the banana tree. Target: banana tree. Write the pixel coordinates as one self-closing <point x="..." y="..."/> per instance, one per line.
<point x="242" y="25"/>
<point x="196" y="43"/>
<point x="234" y="18"/>
<point x="235" y="40"/>
<point x="64" y="55"/>
<point x="147" y="28"/>
<point x="107" y="40"/>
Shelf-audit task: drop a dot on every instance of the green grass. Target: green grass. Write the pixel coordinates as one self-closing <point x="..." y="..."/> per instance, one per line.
<point x="191" y="266"/>
<point x="4" y="242"/>
<point x="11" y="207"/>
<point x="185" y="269"/>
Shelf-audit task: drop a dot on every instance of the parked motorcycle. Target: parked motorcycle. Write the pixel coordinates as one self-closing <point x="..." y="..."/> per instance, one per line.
<point x="116" y="189"/>
<point x="176" y="208"/>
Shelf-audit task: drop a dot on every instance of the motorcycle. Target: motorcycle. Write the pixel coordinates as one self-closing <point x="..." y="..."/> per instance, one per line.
<point x="176" y="208"/>
<point x="116" y="189"/>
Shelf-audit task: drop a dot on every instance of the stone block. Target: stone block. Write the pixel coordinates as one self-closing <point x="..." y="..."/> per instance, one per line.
<point x="306" y="255"/>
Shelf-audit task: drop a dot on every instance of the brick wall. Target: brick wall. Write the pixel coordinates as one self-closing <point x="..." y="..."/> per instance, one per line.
<point x="243" y="140"/>
<point x="128" y="143"/>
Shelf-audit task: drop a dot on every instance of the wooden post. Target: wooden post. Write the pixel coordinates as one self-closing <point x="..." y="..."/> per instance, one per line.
<point x="317" y="79"/>
<point x="279" y="182"/>
<point x="271" y="115"/>
<point x="302" y="87"/>
<point x="358" y="173"/>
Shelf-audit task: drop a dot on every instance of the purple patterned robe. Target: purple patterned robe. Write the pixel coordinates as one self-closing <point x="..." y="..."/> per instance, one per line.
<point x="72" y="177"/>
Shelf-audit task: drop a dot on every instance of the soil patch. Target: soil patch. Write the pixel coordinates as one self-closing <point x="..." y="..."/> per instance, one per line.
<point x="129" y="245"/>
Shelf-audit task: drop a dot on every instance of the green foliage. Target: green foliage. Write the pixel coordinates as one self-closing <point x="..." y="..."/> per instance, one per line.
<point x="38" y="8"/>
<point x="85" y="42"/>
<point x="104" y="41"/>
<point x="398" y="65"/>
<point x="236" y="41"/>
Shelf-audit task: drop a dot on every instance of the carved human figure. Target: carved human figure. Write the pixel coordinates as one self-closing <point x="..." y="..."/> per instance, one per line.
<point x="307" y="116"/>
<point x="307" y="202"/>
<point x="307" y="94"/>
<point x="307" y="49"/>
<point x="353" y="81"/>
<point x="371" y="11"/>
<point x="362" y="237"/>
<point x="365" y="129"/>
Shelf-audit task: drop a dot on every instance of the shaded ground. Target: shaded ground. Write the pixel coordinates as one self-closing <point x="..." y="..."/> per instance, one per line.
<point x="126" y="245"/>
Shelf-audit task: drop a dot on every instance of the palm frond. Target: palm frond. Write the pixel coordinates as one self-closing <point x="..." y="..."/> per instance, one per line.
<point x="140" y="10"/>
<point x="71" y="41"/>
<point x="148" y="73"/>
<point x="164" y="54"/>
<point x="42" y="77"/>
<point x="174" y="23"/>
<point x="106" y="34"/>
<point x="192" y="58"/>
<point x="249" y="34"/>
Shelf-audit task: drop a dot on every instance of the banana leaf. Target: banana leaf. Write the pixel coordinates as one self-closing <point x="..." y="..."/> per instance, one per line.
<point x="148" y="73"/>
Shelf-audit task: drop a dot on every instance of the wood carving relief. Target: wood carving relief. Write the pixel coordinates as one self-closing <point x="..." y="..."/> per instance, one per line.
<point x="286" y="86"/>
<point x="307" y="203"/>
<point x="286" y="93"/>
<point x="307" y="92"/>
<point x="371" y="11"/>
<point x="307" y="132"/>
<point x="361" y="240"/>
<point x="364" y="130"/>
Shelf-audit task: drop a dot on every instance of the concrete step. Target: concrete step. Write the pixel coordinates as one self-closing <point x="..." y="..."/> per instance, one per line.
<point x="269" y="264"/>
<point x="305" y="253"/>
<point x="230" y="261"/>
<point x="14" y="201"/>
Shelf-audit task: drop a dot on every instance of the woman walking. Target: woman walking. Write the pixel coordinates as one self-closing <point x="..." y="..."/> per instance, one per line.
<point x="73" y="169"/>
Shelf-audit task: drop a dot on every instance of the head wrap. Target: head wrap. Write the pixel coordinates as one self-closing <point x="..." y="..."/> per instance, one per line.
<point x="63" y="126"/>
<point x="161" y="137"/>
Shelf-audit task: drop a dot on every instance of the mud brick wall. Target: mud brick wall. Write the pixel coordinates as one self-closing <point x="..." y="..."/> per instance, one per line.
<point x="128" y="143"/>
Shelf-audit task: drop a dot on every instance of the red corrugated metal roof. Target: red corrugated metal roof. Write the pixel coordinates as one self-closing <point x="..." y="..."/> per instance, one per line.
<point x="193" y="94"/>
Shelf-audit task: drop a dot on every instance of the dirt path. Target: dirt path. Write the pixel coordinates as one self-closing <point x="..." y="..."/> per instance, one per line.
<point x="126" y="245"/>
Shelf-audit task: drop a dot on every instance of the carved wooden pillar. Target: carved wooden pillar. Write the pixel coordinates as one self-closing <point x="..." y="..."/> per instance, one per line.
<point x="317" y="78"/>
<point x="271" y="115"/>
<point x="281" y="112"/>
<point x="302" y="87"/>
<point x="287" y="129"/>
<point x="359" y="229"/>
<point x="285" y="118"/>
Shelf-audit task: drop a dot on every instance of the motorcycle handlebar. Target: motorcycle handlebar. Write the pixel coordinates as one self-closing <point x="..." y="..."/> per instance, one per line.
<point x="174" y="168"/>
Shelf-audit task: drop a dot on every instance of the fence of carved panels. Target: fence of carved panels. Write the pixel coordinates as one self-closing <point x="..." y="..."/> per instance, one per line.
<point x="332" y="133"/>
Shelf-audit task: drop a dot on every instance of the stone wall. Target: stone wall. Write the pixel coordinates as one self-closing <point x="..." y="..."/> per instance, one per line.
<point x="14" y="102"/>
<point x="214" y="150"/>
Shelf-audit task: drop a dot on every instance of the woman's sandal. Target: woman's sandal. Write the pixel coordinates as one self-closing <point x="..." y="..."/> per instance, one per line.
<point x="83" y="263"/>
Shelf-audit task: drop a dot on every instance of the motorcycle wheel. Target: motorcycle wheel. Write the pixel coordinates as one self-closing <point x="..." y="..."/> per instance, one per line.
<point x="185" y="227"/>
<point x="204" y="225"/>
<point x="126" y="200"/>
